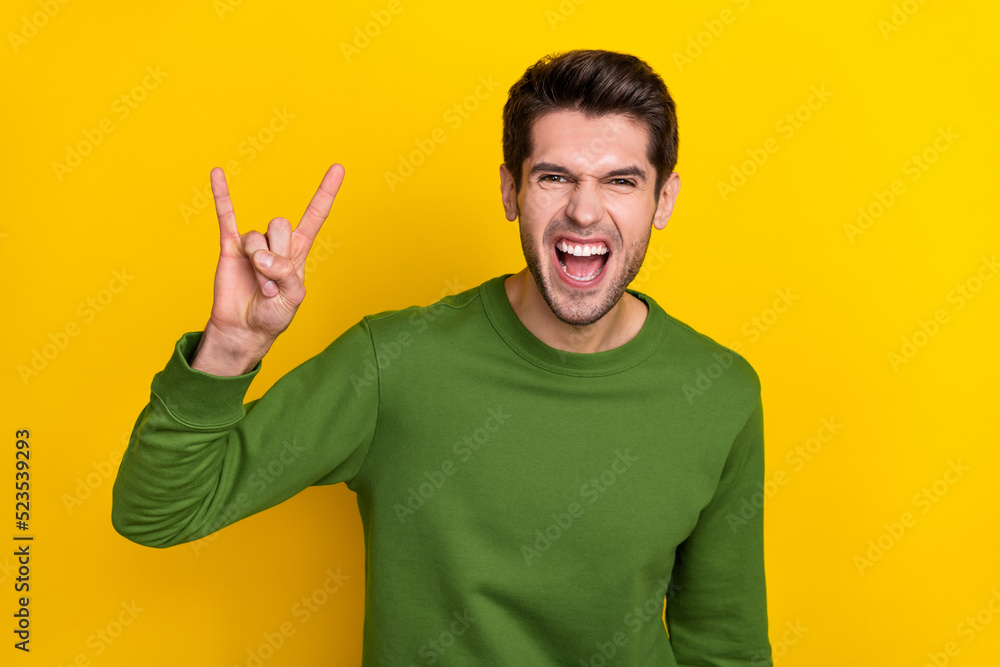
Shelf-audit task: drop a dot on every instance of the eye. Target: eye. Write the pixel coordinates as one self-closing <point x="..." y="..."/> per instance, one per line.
<point x="552" y="178"/>
<point x="623" y="181"/>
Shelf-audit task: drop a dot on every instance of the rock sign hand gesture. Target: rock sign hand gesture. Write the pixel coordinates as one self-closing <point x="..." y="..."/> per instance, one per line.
<point x="259" y="282"/>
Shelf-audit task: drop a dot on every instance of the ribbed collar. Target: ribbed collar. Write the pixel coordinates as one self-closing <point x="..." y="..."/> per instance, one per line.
<point x="525" y="344"/>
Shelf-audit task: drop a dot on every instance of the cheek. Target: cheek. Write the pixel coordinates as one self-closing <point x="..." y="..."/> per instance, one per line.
<point x="542" y="204"/>
<point x="632" y="218"/>
<point x="630" y="207"/>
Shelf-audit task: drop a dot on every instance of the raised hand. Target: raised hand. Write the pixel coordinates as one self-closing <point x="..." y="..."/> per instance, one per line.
<point x="259" y="281"/>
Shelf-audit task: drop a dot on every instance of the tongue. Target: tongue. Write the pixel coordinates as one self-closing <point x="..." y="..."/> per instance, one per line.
<point x="582" y="267"/>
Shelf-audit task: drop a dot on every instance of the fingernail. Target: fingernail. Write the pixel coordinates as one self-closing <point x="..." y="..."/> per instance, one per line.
<point x="270" y="288"/>
<point x="263" y="259"/>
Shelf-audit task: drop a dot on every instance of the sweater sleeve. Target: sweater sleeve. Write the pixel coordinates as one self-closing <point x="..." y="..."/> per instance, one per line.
<point x="199" y="459"/>
<point x="718" y="614"/>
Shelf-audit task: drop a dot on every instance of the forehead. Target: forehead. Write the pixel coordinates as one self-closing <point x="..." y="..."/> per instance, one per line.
<point x="573" y="139"/>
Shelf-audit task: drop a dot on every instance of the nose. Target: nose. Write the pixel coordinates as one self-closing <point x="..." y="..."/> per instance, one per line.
<point x="585" y="206"/>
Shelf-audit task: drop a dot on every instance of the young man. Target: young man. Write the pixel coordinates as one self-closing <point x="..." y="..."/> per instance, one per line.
<point x="535" y="474"/>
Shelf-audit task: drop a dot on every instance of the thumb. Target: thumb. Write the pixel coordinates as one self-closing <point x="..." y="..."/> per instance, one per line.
<point x="280" y="276"/>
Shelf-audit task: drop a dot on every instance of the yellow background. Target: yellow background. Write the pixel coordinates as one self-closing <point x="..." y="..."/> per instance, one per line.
<point x="890" y="89"/>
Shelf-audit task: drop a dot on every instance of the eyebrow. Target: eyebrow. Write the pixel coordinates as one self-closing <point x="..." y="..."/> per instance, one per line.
<point x="552" y="167"/>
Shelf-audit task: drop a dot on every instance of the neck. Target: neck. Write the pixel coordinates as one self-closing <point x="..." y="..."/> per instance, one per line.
<point x="617" y="327"/>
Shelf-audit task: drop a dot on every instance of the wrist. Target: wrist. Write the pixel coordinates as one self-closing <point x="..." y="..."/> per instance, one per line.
<point x="226" y="352"/>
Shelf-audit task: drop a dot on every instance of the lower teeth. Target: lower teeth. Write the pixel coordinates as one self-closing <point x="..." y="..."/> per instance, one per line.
<point x="585" y="278"/>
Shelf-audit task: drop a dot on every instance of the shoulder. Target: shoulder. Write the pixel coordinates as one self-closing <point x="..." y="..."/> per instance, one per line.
<point x="416" y="319"/>
<point x="704" y="366"/>
<point x="710" y="351"/>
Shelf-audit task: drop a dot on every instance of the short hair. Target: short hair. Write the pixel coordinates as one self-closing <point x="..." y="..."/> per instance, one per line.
<point x="596" y="83"/>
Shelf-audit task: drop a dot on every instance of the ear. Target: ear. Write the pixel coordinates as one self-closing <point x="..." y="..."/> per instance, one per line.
<point x="665" y="202"/>
<point x="508" y="193"/>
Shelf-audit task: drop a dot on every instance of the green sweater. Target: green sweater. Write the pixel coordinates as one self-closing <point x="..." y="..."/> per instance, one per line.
<point x="521" y="505"/>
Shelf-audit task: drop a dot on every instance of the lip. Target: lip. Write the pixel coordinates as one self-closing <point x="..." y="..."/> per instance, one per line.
<point x="577" y="284"/>
<point x="579" y="240"/>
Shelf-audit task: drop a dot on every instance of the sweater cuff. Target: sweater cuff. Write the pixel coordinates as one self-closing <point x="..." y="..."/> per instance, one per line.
<point x="197" y="398"/>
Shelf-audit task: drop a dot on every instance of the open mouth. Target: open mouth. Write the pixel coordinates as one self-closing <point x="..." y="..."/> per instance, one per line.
<point x="581" y="262"/>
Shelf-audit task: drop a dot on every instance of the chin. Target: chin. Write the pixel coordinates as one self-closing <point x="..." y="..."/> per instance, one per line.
<point x="585" y="304"/>
<point x="580" y="309"/>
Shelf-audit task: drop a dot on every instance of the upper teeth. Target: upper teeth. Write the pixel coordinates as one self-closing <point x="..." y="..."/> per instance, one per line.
<point x="583" y="250"/>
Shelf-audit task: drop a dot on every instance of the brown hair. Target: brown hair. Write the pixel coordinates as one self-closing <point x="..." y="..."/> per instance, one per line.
<point x="596" y="83"/>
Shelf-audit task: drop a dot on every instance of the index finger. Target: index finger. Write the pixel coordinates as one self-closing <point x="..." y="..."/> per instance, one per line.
<point x="223" y="204"/>
<point x="322" y="202"/>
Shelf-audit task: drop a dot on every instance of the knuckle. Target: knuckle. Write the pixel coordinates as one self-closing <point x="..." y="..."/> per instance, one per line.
<point x="253" y="238"/>
<point x="286" y="269"/>
<point x="316" y="211"/>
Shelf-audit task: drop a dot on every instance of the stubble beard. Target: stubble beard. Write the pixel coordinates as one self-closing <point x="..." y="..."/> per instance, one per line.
<point x="577" y="312"/>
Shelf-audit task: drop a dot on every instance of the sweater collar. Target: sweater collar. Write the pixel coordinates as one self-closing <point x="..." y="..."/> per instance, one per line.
<point x="526" y="345"/>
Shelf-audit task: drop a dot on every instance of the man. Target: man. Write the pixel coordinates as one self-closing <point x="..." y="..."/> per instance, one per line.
<point x="535" y="471"/>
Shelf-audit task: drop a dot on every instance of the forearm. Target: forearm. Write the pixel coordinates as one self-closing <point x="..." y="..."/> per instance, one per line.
<point x="168" y="485"/>
<point x="719" y="615"/>
<point x="199" y="459"/>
